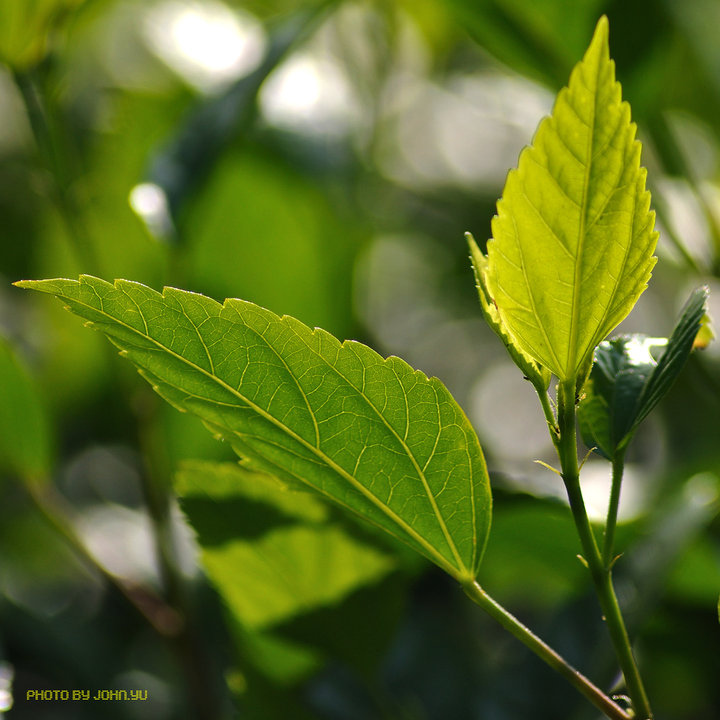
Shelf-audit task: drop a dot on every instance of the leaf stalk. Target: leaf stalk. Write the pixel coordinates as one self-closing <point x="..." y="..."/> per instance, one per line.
<point x="516" y="628"/>
<point x="618" y="467"/>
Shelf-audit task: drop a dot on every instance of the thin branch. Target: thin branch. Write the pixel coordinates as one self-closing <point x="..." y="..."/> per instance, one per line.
<point x="596" y="696"/>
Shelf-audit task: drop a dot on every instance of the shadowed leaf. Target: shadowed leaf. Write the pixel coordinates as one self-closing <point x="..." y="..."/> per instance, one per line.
<point x="626" y="382"/>
<point x="267" y="548"/>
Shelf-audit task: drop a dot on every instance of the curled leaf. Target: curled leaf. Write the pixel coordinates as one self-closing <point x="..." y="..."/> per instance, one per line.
<point x="535" y="373"/>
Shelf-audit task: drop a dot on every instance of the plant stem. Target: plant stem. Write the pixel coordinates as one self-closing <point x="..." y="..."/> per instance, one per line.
<point x="550" y="418"/>
<point x="52" y="141"/>
<point x="163" y="618"/>
<point x="600" y="573"/>
<point x="190" y="645"/>
<point x="596" y="696"/>
<point x="618" y="466"/>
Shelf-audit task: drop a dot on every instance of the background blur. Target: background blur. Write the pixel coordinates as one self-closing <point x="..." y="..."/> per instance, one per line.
<point x="324" y="160"/>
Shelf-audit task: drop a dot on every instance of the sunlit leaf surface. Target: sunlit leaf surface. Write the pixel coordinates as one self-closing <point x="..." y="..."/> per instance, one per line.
<point x="573" y="237"/>
<point x="372" y="434"/>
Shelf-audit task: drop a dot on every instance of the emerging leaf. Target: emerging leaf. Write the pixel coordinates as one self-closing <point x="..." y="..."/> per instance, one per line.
<point x="573" y="236"/>
<point x="536" y="374"/>
<point x="626" y="382"/>
<point x="373" y="435"/>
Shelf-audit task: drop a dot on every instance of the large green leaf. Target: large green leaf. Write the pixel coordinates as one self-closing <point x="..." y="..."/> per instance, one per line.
<point x="626" y="382"/>
<point x="573" y="236"/>
<point x="372" y="434"/>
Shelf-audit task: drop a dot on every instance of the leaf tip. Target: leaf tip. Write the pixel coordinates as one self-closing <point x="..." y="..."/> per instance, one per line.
<point x="476" y="254"/>
<point x="28" y="284"/>
<point x="598" y="52"/>
<point x="601" y="34"/>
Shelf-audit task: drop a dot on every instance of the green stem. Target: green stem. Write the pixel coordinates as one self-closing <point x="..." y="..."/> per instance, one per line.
<point x="618" y="466"/>
<point x="550" y="418"/>
<point x="190" y="645"/>
<point x="600" y="574"/>
<point x="596" y="696"/>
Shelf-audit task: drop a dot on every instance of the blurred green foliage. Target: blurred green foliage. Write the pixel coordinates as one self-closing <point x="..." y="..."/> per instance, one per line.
<point x="324" y="162"/>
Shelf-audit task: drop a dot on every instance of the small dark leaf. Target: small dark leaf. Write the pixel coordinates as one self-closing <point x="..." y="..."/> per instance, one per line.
<point x="626" y="381"/>
<point x="676" y="353"/>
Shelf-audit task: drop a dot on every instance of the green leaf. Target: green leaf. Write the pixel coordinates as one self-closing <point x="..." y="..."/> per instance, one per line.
<point x="266" y="548"/>
<point x="679" y="346"/>
<point x="536" y="374"/>
<point x="626" y="382"/>
<point x="25" y="438"/>
<point x="573" y="236"/>
<point x="372" y="434"/>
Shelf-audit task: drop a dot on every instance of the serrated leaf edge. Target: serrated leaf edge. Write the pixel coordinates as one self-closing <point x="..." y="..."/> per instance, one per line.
<point x="460" y="572"/>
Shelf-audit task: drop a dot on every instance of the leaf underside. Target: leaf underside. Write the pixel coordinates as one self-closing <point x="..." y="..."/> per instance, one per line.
<point x="573" y="236"/>
<point x="372" y="434"/>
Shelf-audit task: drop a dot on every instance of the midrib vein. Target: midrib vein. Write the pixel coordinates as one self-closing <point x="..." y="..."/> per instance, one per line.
<point x="571" y="356"/>
<point x="554" y="362"/>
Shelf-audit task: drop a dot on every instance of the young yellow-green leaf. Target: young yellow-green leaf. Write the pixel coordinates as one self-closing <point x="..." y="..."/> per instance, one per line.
<point x="372" y="434"/>
<point x="573" y="238"/>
